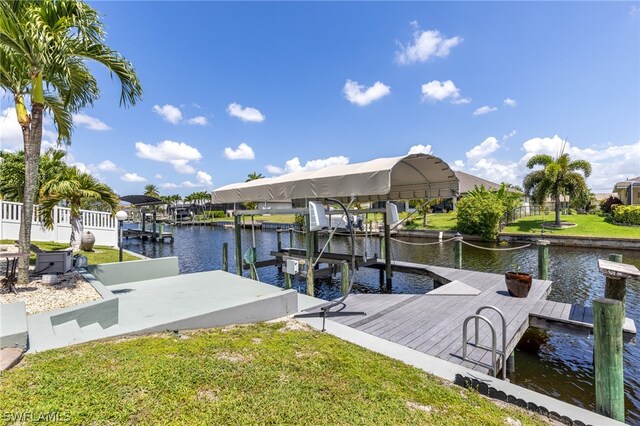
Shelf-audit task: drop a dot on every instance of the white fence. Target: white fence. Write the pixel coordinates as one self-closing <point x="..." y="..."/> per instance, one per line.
<point x="102" y="225"/>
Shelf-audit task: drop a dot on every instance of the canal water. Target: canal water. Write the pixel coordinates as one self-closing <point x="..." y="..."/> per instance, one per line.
<point x="549" y="362"/>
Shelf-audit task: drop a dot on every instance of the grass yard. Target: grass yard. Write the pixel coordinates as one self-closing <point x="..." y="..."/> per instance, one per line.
<point x="278" y="373"/>
<point x="590" y="225"/>
<point x="435" y="222"/>
<point x="100" y="254"/>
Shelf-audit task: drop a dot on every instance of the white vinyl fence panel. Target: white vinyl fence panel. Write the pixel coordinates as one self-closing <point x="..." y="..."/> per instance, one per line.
<point x="101" y="224"/>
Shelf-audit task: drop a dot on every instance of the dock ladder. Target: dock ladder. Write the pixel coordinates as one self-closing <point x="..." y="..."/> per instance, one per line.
<point x="477" y="317"/>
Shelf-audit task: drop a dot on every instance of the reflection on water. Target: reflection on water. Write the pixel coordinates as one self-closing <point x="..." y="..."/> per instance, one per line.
<point x="552" y="363"/>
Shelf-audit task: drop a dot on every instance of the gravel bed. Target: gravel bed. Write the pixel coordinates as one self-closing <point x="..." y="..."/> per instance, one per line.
<point x="71" y="289"/>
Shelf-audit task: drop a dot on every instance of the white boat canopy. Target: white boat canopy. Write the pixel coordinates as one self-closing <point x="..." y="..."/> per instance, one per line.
<point x="399" y="178"/>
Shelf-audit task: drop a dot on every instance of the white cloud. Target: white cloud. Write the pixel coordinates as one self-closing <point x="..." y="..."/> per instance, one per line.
<point x="294" y="165"/>
<point x="510" y="135"/>
<point x="169" y="113"/>
<point x="360" y="95"/>
<point x="159" y="176"/>
<point x="442" y="90"/>
<point x="132" y="177"/>
<point x="204" y="178"/>
<point x="457" y="165"/>
<point x="245" y="114"/>
<point x="179" y="154"/>
<point x="199" y="120"/>
<point x="488" y="146"/>
<point x="510" y="102"/>
<point x="498" y="171"/>
<point x="243" y="152"/>
<point x="425" y="45"/>
<point x="11" y="134"/>
<point x="89" y="122"/>
<point x="484" y="110"/>
<point x="420" y="149"/>
<point x="189" y="184"/>
<point x="169" y="185"/>
<point x="108" y="166"/>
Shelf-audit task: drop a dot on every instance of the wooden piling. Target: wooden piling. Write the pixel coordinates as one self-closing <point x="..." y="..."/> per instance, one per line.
<point x="225" y="257"/>
<point x="310" y="247"/>
<point x="344" y="278"/>
<point x="291" y="237"/>
<point x="608" y="318"/>
<point x="543" y="259"/>
<point x="287" y="280"/>
<point x="387" y="252"/>
<point x="457" y="251"/>
<point x="252" y="269"/>
<point x="310" y="283"/>
<point x="279" y="238"/>
<point x="238" y="237"/>
<point x="616" y="287"/>
<point x="615" y="258"/>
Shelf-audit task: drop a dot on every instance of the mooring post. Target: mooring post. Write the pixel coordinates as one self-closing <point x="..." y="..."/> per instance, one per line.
<point x="225" y="257"/>
<point x="287" y="280"/>
<point x="615" y="258"/>
<point x="291" y="237"/>
<point x="511" y="363"/>
<point x="615" y="286"/>
<point x="344" y="277"/>
<point x="238" y="236"/>
<point x="310" y="283"/>
<point x="316" y="247"/>
<point x="387" y="252"/>
<point x="608" y="318"/>
<point x="309" y="240"/>
<point x="457" y="251"/>
<point x="543" y="259"/>
<point x="252" y="267"/>
<point x="278" y="259"/>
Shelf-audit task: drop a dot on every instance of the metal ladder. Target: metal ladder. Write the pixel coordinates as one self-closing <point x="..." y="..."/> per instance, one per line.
<point x="477" y="317"/>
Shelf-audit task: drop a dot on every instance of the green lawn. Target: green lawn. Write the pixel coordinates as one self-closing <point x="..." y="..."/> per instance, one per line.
<point x="258" y="374"/>
<point x="588" y="225"/>
<point x="435" y="222"/>
<point x="100" y="254"/>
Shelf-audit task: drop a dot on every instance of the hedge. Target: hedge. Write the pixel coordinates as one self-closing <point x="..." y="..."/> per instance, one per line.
<point x="629" y="215"/>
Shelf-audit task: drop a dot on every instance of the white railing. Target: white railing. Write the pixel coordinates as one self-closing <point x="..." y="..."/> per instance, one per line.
<point x="101" y="224"/>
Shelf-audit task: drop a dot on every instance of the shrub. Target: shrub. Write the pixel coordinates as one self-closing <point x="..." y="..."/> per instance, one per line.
<point x="219" y="213"/>
<point x="629" y="215"/>
<point x="605" y="205"/>
<point x="480" y="215"/>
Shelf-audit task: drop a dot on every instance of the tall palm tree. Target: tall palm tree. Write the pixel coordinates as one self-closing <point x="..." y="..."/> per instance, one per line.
<point x="151" y="191"/>
<point x="12" y="172"/>
<point x="44" y="47"/>
<point x="253" y="176"/>
<point x="74" y="188"/>
<point x="559" y="176"/>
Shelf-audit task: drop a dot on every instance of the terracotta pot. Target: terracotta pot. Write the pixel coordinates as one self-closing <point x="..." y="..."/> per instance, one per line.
<point x="87" y="241"/>
<point x="518" y="283"/>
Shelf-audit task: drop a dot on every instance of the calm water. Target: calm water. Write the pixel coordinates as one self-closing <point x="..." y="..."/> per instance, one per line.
<point x="552" y="363"/>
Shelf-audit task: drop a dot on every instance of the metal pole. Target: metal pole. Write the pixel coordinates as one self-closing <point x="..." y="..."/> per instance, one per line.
<point x="120" y="238"/>
<point x="238" y="237"/>
<point x="543" y="259"/>
<point x="309" y="240"/>
<point x="279" y="239"/>
<point x="387" y="251"/>
<point x="608" y="318"/>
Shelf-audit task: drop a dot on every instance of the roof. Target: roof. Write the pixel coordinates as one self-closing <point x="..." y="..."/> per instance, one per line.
<point x="468" y="182"/>
<point x="626" y="183"/>
<point x="142" y="200"/>
<point x="407" y="177"/>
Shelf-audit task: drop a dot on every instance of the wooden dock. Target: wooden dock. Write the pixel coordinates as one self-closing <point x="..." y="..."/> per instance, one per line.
<point x="147" y="235"/>
<point x="432" y="323"/>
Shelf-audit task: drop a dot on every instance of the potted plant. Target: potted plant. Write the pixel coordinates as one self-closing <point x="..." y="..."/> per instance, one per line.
<point x="518" y="283"/>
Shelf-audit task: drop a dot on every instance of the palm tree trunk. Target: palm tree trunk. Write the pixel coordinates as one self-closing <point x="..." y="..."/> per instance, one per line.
<point x="557" y="209"/>
<point x="76" y="232"/>
<point x="32" y="137"/>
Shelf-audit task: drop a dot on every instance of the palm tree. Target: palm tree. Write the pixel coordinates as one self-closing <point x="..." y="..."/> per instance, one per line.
<point x="44" y="46"/>
<point x="560" y="176"/>
<point x="74" y="188"/>
<point x="151" y="191"/>
<point x="253" y="176"/>
<point x="12" y="172"/>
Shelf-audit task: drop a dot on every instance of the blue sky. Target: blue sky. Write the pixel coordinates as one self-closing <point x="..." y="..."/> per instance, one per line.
<point x="231" y="88"/>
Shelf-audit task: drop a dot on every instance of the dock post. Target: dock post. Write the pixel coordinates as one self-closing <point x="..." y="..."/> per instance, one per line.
<point x="225" y="257"/>
<point x="511" y="363"/>
<point x="252" y="267"/>
<point x="608" y="318"/>
<point x="310" y="284"/>
<point x="279" y="238"/>
<point x="615" y="287"/>
<point x="387" y="252"/>
<point x="238" y="236"/>
<point x="344" y="277"/>
<point x="287" y="280"/>
<point x="457" y="251"/>
<point x="309" y="241"/>
<point x="543" y="259"/>
<point x="291" y="237"/>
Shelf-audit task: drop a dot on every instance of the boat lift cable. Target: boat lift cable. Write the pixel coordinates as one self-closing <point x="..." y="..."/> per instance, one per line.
<point x="330" y="237"/>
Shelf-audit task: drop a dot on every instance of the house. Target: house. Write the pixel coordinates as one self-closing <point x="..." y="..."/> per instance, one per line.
<point x="628" y="191"/>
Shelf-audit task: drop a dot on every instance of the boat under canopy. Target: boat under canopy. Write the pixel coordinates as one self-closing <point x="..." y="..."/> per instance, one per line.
<point x="399" y="178"/>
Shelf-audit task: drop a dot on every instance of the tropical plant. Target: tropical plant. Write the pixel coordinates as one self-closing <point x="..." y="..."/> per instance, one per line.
<point x="151" y="191"/>
<point x="607" y="205"/>
<point x="252" y="176"/>
<point x="479" y="213"/>
<point x="44" y="46"/>
<point x="559" y="176"/>
<point x="74" y="188"/>
<point x="629" y="215"/>
<point x="12" y="172"/>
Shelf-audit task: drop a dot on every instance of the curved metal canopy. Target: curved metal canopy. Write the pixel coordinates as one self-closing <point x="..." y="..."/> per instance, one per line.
<point x="398" y="178"/>
<point x="142" y="200"/>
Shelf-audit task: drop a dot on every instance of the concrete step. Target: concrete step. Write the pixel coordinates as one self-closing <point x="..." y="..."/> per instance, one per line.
<point x="69" y="328"/>
<point x="92" y="328"/>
